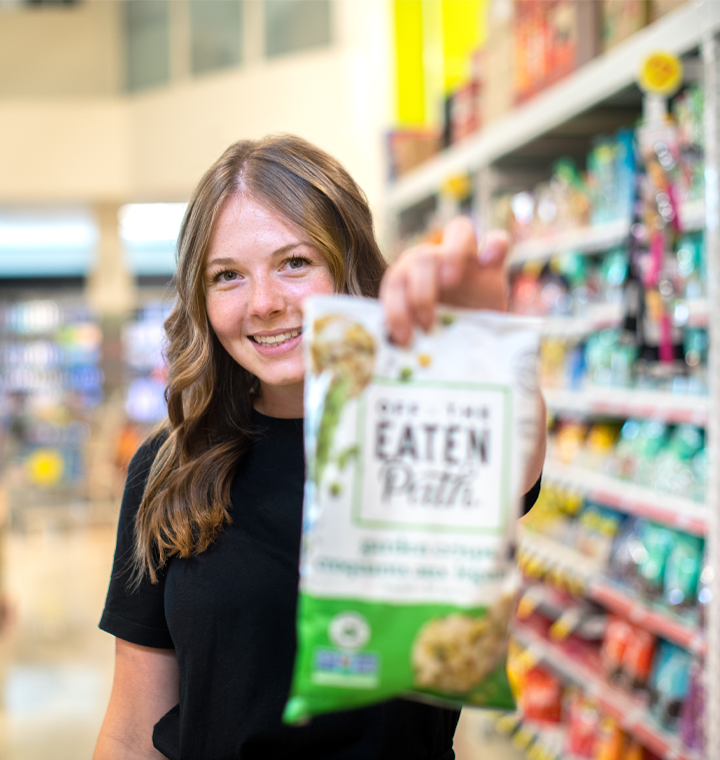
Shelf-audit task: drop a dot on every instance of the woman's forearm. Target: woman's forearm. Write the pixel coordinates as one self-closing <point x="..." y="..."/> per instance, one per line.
<point x="145" y="687"/>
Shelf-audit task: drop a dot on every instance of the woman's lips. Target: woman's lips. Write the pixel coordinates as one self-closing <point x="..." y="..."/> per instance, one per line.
<point x="277" y="344"/>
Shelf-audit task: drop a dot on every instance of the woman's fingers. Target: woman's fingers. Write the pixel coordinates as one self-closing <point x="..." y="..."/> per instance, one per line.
<point x="455" y="272"/>
<point x="494" y="248"/>
<point x="422" y="289"/>
<point x="393" y="295"/>
<point x="458" y="248"/>
<point x="409" y="292"/>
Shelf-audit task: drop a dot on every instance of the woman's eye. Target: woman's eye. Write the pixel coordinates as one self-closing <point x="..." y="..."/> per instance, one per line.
<point x="225" y="276"/>
<point x="298" y="262"/>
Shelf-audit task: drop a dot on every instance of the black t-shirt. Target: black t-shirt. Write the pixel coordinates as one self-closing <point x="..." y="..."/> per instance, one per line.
<point x="229" y="613"/>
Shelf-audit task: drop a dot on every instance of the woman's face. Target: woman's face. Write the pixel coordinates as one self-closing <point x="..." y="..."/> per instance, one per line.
<point x="258" y="271"/>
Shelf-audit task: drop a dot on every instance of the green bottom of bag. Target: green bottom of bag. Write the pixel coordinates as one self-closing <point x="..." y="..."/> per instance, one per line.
<point x="353" y="653"/>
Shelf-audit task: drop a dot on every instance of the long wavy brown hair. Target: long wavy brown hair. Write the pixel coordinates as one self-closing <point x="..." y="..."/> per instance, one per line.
<point x="210" y="396"/>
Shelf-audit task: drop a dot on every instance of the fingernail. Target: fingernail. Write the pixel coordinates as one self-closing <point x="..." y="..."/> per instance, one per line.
<point x="492" y="249"/>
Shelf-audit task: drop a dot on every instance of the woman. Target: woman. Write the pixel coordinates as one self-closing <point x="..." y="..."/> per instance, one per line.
<point x="203" y="592"/>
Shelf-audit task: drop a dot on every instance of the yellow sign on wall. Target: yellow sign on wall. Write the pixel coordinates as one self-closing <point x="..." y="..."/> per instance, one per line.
<point x="434" y="41"/>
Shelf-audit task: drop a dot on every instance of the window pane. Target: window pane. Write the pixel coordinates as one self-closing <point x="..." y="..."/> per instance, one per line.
<point x="147" y="43"/>
<point x="292" y="25"/>
<point x="215" y="34"/>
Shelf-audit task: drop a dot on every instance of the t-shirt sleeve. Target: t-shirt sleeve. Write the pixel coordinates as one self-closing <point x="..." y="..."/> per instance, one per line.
<point x="532" y="496"/>
<point x="138" y="615"/>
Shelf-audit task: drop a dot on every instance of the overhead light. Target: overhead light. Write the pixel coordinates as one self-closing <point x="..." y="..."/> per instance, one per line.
<point x="39" y="232"/>
<point x="151" y="222"/>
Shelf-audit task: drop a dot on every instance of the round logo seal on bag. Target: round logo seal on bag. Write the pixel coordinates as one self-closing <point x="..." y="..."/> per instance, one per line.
<point x="349" y="630"/>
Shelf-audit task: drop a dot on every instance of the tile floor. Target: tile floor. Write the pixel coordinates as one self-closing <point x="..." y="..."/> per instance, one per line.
<point x="56" y="665"/>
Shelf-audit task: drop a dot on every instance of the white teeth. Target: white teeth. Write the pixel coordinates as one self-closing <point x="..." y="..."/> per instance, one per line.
<point x="274" y="340"/>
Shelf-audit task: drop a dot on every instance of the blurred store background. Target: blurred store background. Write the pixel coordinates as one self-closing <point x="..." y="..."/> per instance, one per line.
<point x="524" y="113"/>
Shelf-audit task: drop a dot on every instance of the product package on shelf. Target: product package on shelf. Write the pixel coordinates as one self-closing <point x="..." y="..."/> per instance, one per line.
<point x="574" y="544"/>
<point x="551" y="40"/>
<point x="51" y="385"/>
<point x="628" y="689"/>
<point x="597" y="700"/>
<point x="408" y="148"/>
<point x="622" y="19"/>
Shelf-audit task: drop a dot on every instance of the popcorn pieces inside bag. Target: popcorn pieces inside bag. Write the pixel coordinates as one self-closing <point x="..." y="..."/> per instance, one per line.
<point x="414" y="462"/>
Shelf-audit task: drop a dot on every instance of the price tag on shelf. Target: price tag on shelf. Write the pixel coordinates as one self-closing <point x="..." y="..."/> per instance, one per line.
<point x="555" y="578"/>
<point x="535" y="567"/>
<point x="548" y="754"/>
<point x="506" y="724"/>
<point x="536" y="751"/>
<point x="528" y="604"/>
<point x="565" y="624"/>
<point x="577" y="584"/>
<point x="522" y="738"/>
<point x="528" y="659"/>
<point x="457" y="186"/>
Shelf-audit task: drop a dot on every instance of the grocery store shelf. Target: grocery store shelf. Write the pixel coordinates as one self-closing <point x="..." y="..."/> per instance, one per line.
<point x="579" y="567"/>
<point x="595" y="239"/>
<point x="630" y="713"/>
<point x="674" y="511"/>
<point x="613" y="597"/>
<point x="629" y="402"/>
<point x="580" y="239"/>
<point x="598" y="316"/>
<point x="678" y="32"/>
<point x="660" y="622"/>
<point x="595" y="317"/>
<point x="531" y="734"/>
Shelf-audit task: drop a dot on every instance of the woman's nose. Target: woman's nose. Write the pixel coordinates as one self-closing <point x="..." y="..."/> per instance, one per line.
<point x="266" y="298"/>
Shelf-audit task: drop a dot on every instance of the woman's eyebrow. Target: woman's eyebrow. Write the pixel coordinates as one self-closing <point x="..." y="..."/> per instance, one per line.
<point x="220" y="261"/>
<point x="289" y="247"/>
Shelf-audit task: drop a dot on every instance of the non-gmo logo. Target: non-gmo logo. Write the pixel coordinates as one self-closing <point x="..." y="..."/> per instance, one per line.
<point x="349" y="630"/>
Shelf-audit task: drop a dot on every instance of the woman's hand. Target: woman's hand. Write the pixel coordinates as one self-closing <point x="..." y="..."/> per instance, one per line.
<point x="456" y="272"/>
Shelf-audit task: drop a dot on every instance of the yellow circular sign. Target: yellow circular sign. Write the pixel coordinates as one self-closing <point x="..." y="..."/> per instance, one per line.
<point x="661" y="74"/>
<point x="45" y="467"/>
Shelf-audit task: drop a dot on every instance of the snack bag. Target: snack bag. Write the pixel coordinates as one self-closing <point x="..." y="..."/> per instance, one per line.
<point x="414" y="464"/>
<point x="540" y="699"/>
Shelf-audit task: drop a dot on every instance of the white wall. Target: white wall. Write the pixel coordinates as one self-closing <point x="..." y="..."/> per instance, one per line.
<point x="59" y="151"/>
<point x="156" y="145"/>
<point x="61" y="51"/>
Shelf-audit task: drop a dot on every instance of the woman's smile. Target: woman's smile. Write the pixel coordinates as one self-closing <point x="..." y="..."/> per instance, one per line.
<point x="277" y="340"/>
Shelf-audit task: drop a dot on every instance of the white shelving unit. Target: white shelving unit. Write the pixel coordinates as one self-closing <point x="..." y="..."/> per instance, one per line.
<point x="601" y="315"/>
<point x="641" y="501"/>
<point x="692" y="30"/>
<point x="629" y="402"/>
<point x="593" y="239"/>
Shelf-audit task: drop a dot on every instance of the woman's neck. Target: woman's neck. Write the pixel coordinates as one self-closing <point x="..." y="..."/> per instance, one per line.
<point x="284" y="402"/>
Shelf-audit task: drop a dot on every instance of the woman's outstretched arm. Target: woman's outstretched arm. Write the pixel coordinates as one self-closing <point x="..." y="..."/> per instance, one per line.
<point x="145" y="687"/>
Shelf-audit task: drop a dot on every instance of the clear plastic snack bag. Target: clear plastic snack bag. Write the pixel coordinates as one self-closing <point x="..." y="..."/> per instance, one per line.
<point x="415" y="461"/>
